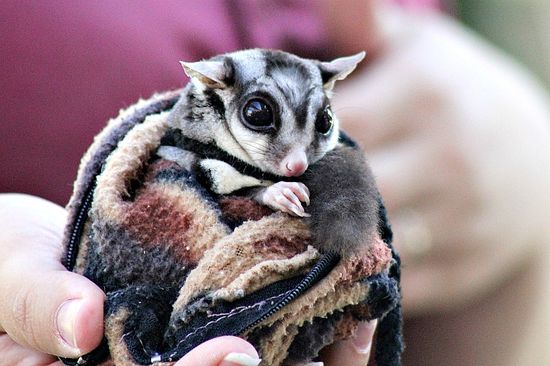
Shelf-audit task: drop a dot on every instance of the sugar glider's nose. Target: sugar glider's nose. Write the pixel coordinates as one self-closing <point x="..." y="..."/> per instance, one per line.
<point x="294" y="164"/>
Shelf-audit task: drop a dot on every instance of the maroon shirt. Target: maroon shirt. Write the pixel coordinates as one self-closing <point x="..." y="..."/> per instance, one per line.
<point x="68" y="66"/>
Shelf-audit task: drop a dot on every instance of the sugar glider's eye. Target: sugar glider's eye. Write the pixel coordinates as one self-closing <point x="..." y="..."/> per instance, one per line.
<point x="257" y="115"/>
<point x="325" y="121"/>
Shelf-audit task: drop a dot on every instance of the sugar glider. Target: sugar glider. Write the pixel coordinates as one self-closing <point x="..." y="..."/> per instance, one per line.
<point x="263" y="124"/>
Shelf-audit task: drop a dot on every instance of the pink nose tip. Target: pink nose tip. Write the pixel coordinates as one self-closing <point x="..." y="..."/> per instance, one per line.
<point x="295" y="168"/>
<point x="294" y="164"/>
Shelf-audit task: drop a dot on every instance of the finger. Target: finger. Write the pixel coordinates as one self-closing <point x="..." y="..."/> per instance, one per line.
<point x="413" y="235"/>
<point x="443" y="283"/>
<point x="31" y="224"/>
<point x="222" y="351"/>
<point x="353" y="352"/>
<point x="15" y="354"/>
<point x="413" y="171"/>
<point x="54" y="311"/>
<point x="377" y="106"/>
<point x="436" y="229"/>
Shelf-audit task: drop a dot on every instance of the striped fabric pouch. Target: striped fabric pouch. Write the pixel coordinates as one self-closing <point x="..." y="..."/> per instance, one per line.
<point x="180" y="265"/>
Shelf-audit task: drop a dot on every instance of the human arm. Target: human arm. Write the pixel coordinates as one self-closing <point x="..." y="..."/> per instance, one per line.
<point x="458" y="137"/>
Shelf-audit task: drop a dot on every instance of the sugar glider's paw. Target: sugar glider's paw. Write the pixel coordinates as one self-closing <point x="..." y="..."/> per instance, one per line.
<point x="285" y="197"/>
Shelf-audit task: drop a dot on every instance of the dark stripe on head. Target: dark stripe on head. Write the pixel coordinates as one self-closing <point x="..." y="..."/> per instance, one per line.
<point x="280" y="60"/>
<point x="215" y="101"/>
<point x="302" y="110"/>
<point x="298" y="97"/>
<point x="190" y="113"/>
<point x="230" y="77"/>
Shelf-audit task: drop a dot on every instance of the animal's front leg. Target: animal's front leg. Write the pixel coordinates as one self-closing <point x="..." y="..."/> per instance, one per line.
<point x="286" y="197"/>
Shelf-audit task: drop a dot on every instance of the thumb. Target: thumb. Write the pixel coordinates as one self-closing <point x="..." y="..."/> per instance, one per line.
<point x="352" y="352"/>
<point x="222" y="351"/>
<point x="51" y="310"/>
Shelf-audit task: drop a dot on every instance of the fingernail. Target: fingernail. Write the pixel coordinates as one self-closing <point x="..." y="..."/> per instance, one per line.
<point x="240" y="359"/>
<point x="362" y="341"/>
<point x="66" y="319"/>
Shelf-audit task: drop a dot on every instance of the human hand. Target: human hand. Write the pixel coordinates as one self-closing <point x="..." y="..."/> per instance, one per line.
<point x="230" y="351"/>
<point x="352" y="352"/>
<point x="458" y="139"/>
<point x="45" y="309"/>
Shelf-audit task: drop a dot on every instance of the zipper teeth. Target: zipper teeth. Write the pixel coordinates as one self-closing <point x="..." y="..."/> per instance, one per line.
<point x="326" y="263"/>
<point x="326" y="260"/>
<point x="80" y="220"/>
<point x="78" y="227"/>
<point x="323" y="266"/>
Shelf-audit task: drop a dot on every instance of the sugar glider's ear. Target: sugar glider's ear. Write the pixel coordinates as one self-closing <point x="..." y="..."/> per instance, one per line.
<point x="210" y="73"/>
<point x="338" y="69"/>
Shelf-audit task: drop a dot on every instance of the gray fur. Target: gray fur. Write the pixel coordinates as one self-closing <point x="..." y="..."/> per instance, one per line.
<point x="339" y="69"/>
<point x="343" y="209"/>
<point x="292" y="83"/>
<point x="344" y="201"/>
<point x="183" y="158"/>
<point x="226" y="179"/>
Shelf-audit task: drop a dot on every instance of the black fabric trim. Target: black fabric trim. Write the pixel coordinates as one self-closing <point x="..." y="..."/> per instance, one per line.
<point x="97" y="356"/>
<point x="149" y="307"/>
<point x="95" y="166"/>
<point x="76" y="228"/>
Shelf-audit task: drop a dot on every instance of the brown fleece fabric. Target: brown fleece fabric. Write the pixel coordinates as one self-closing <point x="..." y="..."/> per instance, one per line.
<point x="168" y="252"/>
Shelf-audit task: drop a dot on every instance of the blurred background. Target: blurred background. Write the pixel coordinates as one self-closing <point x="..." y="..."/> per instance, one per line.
<point x="35" y="63"/>
<point x="519" y="27"/>
<point x="68" y="66"/>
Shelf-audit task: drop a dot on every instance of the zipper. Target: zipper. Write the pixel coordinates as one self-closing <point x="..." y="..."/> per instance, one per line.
<point x="327" y="262"/>
<point x="76" y="233"/>
<point x="170" y="98"/>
